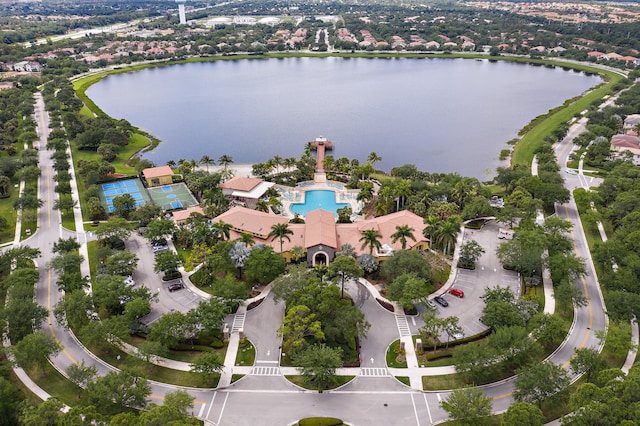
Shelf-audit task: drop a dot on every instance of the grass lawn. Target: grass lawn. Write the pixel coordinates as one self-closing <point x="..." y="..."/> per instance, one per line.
<point x="122" y="360"/>
<point x="300" y="381"/>
<point x="246" y="353"/>
<point x="404" y="380"/>
<point x="57" y="385"/>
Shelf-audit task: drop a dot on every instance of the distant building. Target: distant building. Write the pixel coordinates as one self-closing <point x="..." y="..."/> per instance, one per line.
<point x="157" y="176"/>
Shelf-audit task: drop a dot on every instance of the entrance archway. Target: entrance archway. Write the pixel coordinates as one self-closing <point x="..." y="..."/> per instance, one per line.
<point x="320" y="258"/>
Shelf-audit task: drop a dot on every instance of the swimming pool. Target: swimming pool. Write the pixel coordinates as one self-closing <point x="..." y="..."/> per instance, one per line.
<point x="318" y="199"/>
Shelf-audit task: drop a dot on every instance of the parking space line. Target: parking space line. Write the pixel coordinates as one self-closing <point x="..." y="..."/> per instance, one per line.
<point x="424" y="395"/>
<point x="415" y="410"/>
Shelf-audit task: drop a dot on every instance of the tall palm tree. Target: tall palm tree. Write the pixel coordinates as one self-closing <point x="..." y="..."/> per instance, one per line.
<point x="222" y="229"/>
<point x="449" y="231"/>
<point x="402" y="233"/>
<point x="374" y="158"/>
<point x="207" y="161"/>
<point x="371" y="238"/>
<point x="224" y="161"/>
<point x="280" y="231"/>
<point x="402" y="190"/>
<point x="171" y="163"/>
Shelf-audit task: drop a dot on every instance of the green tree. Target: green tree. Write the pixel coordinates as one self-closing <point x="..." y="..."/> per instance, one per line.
<point x="318" y="365"/>
<point x="587" y="361"/>
<point x="406" y="262"/>
<point x="467" y="406"/>
<point x="371" y="238"/>
<point x="208" y="364"/>
<point x="408" y="288"/>
<point x="469" y="254"/>
<point x="114" y="228"/>
<point x="298" y="324"/>
<point x="344" y="268"/>
<point x="34" y="349"/>
<point x="11" y="399"/>
<point x="123" y="205"/>
<point x="523" y="414"/>
<point x="115" y="390"/>
<point x="222" y="230"/>
<point x="159" y="228"/>
<point x="281" y="232"/>
<point x="539" y="381"/>
<point x="121" y="263"/>
<point x="264" y="265"/>
<point x="402" y="233"/>
<point x="82" y="375"/>
<point x="167" y="261"/>
<point x="567" y="295"/>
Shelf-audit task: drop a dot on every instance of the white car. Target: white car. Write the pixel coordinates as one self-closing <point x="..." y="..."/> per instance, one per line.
<point x="129" y="281"/>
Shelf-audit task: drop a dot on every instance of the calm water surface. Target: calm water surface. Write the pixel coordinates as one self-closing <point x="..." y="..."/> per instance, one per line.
<point x="443" y="115"/>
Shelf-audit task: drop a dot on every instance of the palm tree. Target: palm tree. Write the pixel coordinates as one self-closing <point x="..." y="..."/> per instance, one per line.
<point x="222" y="229"/>
<point x="207" y="161"/>
<point x="297" y="253"/>
<point x="277" y="162"/>
<point x="402" y="190"/>
<point x="247" y="239"/>
<point x="371" y="238"/>
<point x="262" y="206"/>
<point x="239" y="254"/>
<point x="171" y="163"/>
<point x="402" y="233"/>
<point x="224" y="161"/>
<point x="280" y="231"/>
<point x="366" y="191"/>
<point x="448" y="231"/>
<point x="374" y="158"/>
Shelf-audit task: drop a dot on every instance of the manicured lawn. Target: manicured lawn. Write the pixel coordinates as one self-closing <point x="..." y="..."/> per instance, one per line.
<point x="299" y="380"/>
<point x="404" y="380"/>
<point x="57" y="385"/>
<point x="150" y="371"/>
<point x="246" y="353"/>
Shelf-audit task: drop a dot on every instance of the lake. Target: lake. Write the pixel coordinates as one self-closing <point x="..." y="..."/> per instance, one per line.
<point x="443" y="115"/>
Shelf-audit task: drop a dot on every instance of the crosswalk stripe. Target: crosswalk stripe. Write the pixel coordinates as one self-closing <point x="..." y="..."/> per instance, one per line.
<point x="374" y="372"/>
<point x="265" y="371"/>
<point x="403" y="325"/>
<point x="238" y="323"/>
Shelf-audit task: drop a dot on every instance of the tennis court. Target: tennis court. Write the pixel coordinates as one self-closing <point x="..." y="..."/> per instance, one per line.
<point x="172" y="197"/>
<point x="132" y="187"/>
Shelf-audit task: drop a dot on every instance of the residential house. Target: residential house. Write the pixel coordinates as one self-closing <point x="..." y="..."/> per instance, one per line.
<point x="622" y="145"/>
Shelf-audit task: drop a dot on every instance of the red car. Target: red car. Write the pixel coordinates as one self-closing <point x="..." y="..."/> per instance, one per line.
<point x="456" y="292"/>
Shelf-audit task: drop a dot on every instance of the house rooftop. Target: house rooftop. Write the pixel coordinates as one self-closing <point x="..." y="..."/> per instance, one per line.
<point x="154" y="172"/>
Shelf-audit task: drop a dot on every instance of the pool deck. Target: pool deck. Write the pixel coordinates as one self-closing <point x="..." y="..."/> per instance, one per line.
<point x="297" y="195"/>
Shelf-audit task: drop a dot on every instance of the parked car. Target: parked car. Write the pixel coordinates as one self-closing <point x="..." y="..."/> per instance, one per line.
<point x="158" y="249"/>
<point x="160" y="242"/>
<point x="175" y="287"/>
<point x="430" y="304"/>
<point x="454" y="336"/>
<point x="456" y="292"/>
<point x="441" y="301"/>
<point x="129" y="281"/>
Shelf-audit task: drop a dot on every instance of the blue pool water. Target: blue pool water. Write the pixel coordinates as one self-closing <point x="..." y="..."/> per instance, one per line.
<point x="318" y="199"/>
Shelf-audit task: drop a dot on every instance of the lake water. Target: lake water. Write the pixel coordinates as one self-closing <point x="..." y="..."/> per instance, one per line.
<point x="443" y="115"/>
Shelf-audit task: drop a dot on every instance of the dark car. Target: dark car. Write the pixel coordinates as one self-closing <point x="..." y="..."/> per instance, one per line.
<point x="441" y="301"/>
<point x="175" y="286"/>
